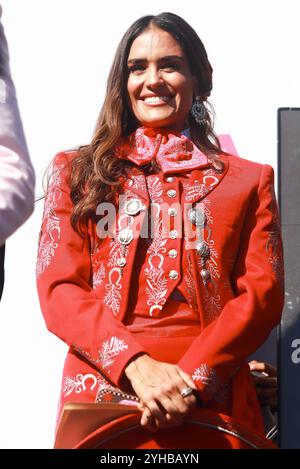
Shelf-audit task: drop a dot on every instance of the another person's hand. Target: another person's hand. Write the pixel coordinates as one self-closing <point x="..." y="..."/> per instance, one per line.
<point x="265" y="380"/>
<point x="159" y="386"/>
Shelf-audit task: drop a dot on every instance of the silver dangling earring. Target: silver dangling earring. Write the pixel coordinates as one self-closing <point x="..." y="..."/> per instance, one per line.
<point x="198" y="111"/>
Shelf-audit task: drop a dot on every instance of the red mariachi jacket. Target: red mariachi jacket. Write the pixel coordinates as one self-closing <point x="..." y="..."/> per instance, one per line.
<point x="84" y="284"/>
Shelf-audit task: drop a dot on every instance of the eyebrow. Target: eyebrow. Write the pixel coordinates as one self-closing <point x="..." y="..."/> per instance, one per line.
<point x="167" y="57"/>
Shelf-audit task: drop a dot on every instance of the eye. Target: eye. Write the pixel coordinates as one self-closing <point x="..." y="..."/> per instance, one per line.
<point x="170" y="66"/>
<point x="136" y="68"/>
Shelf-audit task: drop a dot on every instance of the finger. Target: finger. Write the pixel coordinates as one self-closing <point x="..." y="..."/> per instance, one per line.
<point x="141" y="406"/>
<point x="157" y="412"/>
<point x="172" y="410"/>
<point x="190" y="401"/>
<point x="178" y="405"/>
<point x="257" y="366"/>
<point x="270" y="370"/>
<point x="186" y="378"/>
<point x="186" y="405"/>
<point x="263" y="367"/>
<point x="147" y="421"/>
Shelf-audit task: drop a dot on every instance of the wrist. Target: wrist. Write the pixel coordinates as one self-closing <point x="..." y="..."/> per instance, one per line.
<point x="131" y="367"/>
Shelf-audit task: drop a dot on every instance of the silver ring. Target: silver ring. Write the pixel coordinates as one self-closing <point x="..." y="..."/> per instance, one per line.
<point x="186" y="392"/>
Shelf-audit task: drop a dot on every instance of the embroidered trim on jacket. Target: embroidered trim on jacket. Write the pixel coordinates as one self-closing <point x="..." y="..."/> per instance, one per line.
<point x="212" y="299"/>
<point x="98" y="275"/>
<point x="49" y="240"/>
<point x="213" y="387"/>
<point x="189" y="282"/>
<point x="274" y="243"/>
<point x="111" y="349"/>
<point x="155" y="274"/>
<point x="77" y="384"/>
<point x="198" y="190"/>
<point x="112" y="299"/>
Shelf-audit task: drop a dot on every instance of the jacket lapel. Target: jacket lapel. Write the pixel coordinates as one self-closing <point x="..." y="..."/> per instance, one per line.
<point x="203" y="182"/>
<point x="136" y="186"/>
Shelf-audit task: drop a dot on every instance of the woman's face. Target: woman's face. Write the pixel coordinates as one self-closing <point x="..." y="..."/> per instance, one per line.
<point x="160" y="84"/>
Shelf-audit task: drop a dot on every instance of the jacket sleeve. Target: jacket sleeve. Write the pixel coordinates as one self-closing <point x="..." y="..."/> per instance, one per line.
<point x="16" y="172"/>
<point x="246" y="321"/>
<point x="71" y="309"/>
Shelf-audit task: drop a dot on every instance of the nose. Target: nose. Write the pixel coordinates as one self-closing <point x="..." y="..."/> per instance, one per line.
<point x="153" y="77"/>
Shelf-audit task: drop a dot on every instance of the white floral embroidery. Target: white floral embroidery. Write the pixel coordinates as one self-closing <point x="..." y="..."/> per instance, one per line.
<point x="157" y="284"/>
<point x="155" y="189"/>
<point x="205" y="205"/>
<point x="155" y="274"/>
<point x="112" y="298"/>
<point x="110" y="349"/>
<point x="139" y="183"/>
<point x="212" y="298"/>
<point x="98" y="276"/>
<point x="208" y="376"/>
<point x="212" y="261"/>
<point x="77" y="384"/>
<point x="49" y="240"/>
<point x="213" y="305"/>
<point x="117" y="251"/>
<point x="86" y="354"/>
<point x="160" y="239"/>
<point x="273" y="249"/>
<point x="190" y="283"/>
<point x="213" y="266"/>
<point x="193" y="193"/>
<point x="274" y="243"/>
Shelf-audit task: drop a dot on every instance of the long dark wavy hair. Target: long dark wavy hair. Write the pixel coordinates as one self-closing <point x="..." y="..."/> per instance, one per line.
<point x="96" y="175"/>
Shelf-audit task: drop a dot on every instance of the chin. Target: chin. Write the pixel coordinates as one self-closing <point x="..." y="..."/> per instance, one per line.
<point x="165" y="123"/>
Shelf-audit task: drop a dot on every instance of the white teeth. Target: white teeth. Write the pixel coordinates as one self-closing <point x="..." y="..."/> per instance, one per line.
<point x="156" y="99"/>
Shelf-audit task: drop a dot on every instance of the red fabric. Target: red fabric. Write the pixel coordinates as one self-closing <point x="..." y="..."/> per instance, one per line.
<point x="84" y="293"/>
<point x="175" y="314"/>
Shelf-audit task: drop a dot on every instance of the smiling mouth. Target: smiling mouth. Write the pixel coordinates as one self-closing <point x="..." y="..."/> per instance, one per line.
<point x="156" y="100"/>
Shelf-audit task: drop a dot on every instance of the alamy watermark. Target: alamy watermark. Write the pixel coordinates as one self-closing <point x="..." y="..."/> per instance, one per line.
<point x="159" y="220"/>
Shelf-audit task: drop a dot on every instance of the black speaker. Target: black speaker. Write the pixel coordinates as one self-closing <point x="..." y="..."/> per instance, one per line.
<point x="289" y="336"/>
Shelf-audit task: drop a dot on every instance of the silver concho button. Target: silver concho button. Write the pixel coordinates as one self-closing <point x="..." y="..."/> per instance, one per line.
<point x="170" y="179"/>
<point x="133" y="206"/>
<point x="121" y="262"/>
<point x="125" y="236"/>
<point x="203" y="250"/>
<point x="171" y="193"/>
<point x="173" y="274"/>
<point x="173" y="234"/>
<point x="205" y="274"/>
<point x="197" y="216"/>
<point x="173" y="253"/>
<point x="172" y="212"/>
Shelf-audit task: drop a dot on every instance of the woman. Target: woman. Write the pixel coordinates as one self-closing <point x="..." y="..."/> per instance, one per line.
<point x="160" y="258"/>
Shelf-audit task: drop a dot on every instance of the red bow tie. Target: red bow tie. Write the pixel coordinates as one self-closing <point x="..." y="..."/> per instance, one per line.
<point x="174" y="152"/>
